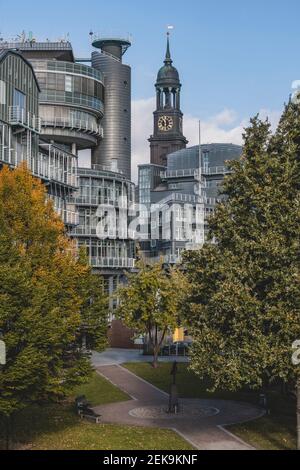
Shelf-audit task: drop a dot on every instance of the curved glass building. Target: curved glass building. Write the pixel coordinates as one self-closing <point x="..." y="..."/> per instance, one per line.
<point x="20" y="134"/>
<point x="71" y="103"/>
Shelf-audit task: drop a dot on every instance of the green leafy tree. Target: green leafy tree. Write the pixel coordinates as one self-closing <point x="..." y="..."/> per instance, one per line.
<point x="47" y="298"/>
<point x="244" y="303"/>
<point x="94" y="308"/>
<point x="150" y="302"/>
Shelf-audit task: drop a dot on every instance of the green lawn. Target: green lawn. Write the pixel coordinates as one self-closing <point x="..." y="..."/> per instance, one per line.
<point x="277" y="431"/>
<point x="57" y="427"/>
<point x="100" y="391"/>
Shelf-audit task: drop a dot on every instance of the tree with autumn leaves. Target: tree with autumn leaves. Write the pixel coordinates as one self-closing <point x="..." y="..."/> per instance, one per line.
<point x="150" y="302"/>
<point x="243" y="308"/>
<point x="49" y="299"/>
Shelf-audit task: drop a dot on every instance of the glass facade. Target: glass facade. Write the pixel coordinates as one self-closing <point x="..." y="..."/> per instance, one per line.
<point x="149" y="178"/>
<point x="191" y="177"/>
<point x="100" y="187"/>
<point x="70" y="83"/>
<point x="19" y="135"/>
<point x="71" y="102"/>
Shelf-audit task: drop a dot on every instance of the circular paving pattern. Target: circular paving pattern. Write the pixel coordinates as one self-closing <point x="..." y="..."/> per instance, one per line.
<point x="192" y="411"/>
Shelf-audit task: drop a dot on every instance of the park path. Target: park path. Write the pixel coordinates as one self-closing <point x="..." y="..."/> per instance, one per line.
<point x="203" y="432"/>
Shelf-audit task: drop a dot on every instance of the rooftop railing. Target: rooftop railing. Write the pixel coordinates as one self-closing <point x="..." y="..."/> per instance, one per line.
<point x="38" y="46"/>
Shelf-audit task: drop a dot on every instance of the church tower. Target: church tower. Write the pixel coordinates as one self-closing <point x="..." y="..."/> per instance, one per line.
<point x="167" y="135"/>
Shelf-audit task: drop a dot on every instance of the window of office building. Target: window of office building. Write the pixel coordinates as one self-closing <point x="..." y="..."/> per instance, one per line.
<point x="19" y="99"/>
<point x="68" y="83"/>
<point x="2" y="92"/>
<point x="205" y="160"/>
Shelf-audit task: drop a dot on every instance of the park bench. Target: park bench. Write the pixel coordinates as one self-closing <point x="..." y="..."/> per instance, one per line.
<point x="84" y="409"/>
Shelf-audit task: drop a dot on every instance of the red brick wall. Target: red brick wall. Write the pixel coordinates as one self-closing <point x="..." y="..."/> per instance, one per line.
<point x="119" y="336"/>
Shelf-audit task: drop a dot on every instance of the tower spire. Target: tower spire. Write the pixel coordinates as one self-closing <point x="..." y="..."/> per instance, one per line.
<point x="168" y="60"/>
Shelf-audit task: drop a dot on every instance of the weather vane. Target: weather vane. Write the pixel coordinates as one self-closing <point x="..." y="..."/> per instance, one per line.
<point x="169" y="28"/>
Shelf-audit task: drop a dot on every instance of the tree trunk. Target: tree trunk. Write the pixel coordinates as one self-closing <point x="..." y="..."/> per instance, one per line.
<point x="7" y="437"/>
<point x="298" y="413"/>
<point x="155" y="358"/>
<point x="156" y="344"/>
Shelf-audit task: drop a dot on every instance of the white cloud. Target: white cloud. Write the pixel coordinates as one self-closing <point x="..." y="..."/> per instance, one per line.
<point x="84" y="158"/>
<point x="273" y="116"/>
<point x="142" y="128"/>
<point x="223" y="127"/>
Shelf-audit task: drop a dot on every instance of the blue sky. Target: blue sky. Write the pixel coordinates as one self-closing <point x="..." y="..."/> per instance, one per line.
<point x="232" y="55"/>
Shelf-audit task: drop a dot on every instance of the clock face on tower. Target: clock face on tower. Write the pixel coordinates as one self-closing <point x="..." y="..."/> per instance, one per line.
<point x="165" y="123"/>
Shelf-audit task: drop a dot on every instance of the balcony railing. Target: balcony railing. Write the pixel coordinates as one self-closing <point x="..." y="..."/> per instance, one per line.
<point x="181" y="173"/>
<point x="18" y="116"/>
<point x="79" y="124"/>
<point x="72" y="98"/>
<point x="195" y="172"/>
<point x="62" y="165"/>
<point x="69" y="217"/>
<point x="99" y="262"/>
<point x="37" y="164"/>
<point x="121" y="202"/>
<point x="172" y="259"/>
<point x="216" y="170"/>
<point x="67" y="67"/>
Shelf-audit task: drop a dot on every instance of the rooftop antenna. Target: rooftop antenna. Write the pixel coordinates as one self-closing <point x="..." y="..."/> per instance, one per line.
<point x="91" y="33"/>
<point x="169" y="29"/>
<point x="200" y="149"/>
<point x="200" y="160"/>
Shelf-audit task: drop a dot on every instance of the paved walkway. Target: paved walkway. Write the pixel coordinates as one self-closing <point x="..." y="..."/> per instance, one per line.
<point x="120" y="356"/>
<point x="205" y="432"/>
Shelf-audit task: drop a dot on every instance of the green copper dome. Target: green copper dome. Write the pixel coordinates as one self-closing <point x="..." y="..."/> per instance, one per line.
<point x="167" y="74"/>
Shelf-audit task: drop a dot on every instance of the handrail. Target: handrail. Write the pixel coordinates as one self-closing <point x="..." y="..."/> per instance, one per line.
<point x="108" y="262"/>
<point x="19" y="116"/>
<point x="196" y="172"/>
<point x="81" y="124"/>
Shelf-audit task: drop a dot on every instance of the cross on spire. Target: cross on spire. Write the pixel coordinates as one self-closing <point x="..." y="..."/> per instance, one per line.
<point x="168" y="60"/>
